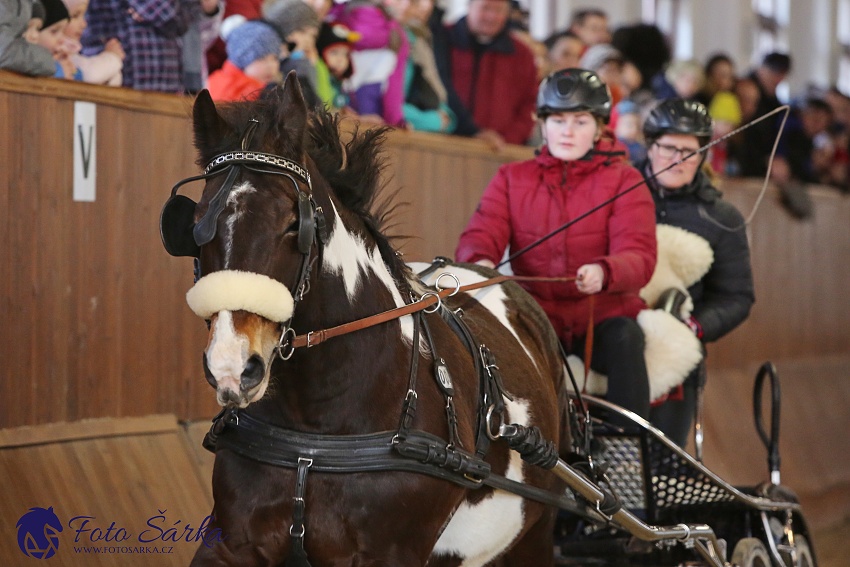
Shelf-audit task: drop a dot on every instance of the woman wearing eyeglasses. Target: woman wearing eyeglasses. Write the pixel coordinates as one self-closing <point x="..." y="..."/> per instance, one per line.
<point x="722" y="293"/>
<point x="611" y="253"/>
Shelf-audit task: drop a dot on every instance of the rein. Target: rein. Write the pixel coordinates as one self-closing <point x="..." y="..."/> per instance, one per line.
<point x="314" y="338"/>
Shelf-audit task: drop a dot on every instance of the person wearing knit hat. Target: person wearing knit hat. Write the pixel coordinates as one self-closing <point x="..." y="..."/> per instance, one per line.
<point x="298" y="26"/>
<point x="289" y="17"/>
<point x="253" y="54"/>
<point x="607" y="61"/>
<point x="56" y="19"/>
<point x="334" y="46"/>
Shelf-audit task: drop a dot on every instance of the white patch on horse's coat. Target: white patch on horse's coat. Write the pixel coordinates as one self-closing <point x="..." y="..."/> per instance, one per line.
<point x="244" y="188"/>
<point x="493" y="298"/>
<point x="479" y="533"/>
<point x="346" y="254"/>
<point x="227" y="354"/>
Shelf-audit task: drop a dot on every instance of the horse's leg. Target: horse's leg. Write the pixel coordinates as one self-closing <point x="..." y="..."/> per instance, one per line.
<point x="535" y="547"/>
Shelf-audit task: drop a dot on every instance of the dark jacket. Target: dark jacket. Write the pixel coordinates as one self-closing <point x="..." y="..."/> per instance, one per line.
<point x="491" y="86"/>
<point x="527" y="200"/>
<point x="723" y="297"/>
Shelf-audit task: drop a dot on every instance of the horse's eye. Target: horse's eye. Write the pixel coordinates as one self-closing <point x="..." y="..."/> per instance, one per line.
<point x="292" y="227"/>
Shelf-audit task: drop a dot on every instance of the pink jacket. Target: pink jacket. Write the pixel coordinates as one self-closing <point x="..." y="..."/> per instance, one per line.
<point x="530" y="199"/>
<point x="378" y="30"/>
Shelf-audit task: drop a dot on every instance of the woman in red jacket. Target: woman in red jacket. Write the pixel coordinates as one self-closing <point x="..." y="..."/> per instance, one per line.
<point x="611" y="252"/>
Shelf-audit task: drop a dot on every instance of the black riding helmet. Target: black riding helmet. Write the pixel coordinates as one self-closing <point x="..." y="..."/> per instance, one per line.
<point x="574" y="90"/>
<point x="678" y="116"/>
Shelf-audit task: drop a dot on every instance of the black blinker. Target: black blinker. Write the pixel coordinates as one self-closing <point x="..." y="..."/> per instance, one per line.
<point x="176" y="222"/>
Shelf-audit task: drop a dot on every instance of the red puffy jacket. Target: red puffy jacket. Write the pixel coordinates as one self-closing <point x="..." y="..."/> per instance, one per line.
<point x="530" y="199"/>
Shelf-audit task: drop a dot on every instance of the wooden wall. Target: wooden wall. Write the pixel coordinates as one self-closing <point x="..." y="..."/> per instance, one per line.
<point x="93" y="321"/>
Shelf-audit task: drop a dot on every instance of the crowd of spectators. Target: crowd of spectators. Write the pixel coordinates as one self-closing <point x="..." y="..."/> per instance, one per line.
<point x="396" y="62"/>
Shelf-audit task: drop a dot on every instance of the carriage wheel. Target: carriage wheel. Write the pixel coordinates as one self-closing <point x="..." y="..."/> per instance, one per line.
<point x="804" y="552"/>
<point x="750" y="552"/>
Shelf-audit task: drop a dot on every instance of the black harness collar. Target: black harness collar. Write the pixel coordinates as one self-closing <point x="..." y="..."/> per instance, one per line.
<point x="420" y="452"/>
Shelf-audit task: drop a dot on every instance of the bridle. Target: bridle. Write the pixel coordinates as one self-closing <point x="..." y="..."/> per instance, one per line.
<point x="181" y="236"/>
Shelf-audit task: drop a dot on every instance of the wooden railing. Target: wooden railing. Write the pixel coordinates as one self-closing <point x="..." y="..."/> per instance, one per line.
<point x="93" y="318"/>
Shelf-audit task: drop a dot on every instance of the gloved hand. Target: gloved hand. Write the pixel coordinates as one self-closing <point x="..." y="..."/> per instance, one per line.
<point x="694" y="326"/>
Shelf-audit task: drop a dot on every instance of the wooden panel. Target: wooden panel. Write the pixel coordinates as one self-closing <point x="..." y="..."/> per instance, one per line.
<point x="801" y="271"/>
<point x="94" y="322"/>
<point x="115" y="478"/>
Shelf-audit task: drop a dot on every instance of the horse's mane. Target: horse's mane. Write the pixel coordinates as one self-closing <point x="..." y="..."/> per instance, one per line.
<point x="353" y="169"/>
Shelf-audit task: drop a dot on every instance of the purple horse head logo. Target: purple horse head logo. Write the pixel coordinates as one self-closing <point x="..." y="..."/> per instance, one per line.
<point x="38" y="533"/>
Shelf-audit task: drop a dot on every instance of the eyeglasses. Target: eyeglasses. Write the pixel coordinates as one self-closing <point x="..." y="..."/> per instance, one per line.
<point x="672" y="152"/>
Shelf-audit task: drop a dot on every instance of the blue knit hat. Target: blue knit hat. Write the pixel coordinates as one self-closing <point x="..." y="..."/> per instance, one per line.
<point x="251" y="41"/>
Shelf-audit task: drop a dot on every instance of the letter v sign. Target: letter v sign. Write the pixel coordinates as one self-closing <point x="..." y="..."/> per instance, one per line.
<point x="85" y="150"/>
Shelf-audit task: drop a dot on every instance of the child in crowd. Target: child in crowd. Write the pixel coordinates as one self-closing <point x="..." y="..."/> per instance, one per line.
<point x="606" y="61"/>
<point x="51" y="37"/>
<point x="298" y="26"/>
<point x="684" y="78"/>
<point x="253" y="61"/>
<point x="628" y="130"/>
<point x="379" y="57"/>
<point x="16" y="52"/>
<point x="103" y="68"/>
<point x="334" y="64"/>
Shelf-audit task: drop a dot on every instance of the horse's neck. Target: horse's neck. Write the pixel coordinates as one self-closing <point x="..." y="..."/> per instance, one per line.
<point x="320" y="386"/>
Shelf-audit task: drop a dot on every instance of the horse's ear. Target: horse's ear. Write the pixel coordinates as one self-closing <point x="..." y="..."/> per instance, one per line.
<point x="210" y="128"/>
<point x="292" y="111"/>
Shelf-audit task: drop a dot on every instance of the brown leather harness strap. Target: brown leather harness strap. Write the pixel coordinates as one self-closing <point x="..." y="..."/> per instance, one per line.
<point x="314" y="338"/>
<point x="588" y="341"/>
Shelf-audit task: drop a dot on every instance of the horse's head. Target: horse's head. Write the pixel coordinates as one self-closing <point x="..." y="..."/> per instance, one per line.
<point x="285" y="201"/>
<point x="254" y="232"/>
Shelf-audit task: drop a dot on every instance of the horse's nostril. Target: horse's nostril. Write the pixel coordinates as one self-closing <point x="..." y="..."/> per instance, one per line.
<point x="253" y="373"/>
<point x="207" y="373"/>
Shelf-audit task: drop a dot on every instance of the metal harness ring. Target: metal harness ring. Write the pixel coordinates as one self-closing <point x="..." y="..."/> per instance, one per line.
<point x="452" y="276"/>
<point x="489" y="428"/>
<point x="437" y="306"/>
<point x="286" y="340"/>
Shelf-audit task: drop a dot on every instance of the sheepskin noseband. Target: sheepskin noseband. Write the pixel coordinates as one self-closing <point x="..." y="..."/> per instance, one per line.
<point x="233" y="290"/>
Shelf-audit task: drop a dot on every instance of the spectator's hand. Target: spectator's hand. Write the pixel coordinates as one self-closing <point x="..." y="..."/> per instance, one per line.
<point x="589" y="278"/>
<point x="31" y="33"/>
<point x="492" y="139"/>
<point x="113" y="45"/>
<point x="694" y="325"/>
<point x="68" y="68"/>
<point x="445" y="120"/>
<point x="486" y="263"/>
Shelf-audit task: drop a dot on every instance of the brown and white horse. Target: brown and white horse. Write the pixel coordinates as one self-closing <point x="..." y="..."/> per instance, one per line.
<point x="287" y="246"/>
